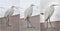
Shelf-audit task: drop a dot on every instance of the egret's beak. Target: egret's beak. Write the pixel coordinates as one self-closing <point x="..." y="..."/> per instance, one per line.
<point x="32" y="4"/>
<point x="56" y="5"/>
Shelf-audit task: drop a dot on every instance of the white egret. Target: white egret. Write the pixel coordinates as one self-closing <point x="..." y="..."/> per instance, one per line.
<point x="8" y="13"/>
<point x="27" y="15"/>
<point x="48" y="13"/>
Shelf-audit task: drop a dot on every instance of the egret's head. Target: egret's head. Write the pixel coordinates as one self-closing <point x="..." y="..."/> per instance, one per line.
<point x="54" y="5"/>
<point x="32" y="5"/>
<point x="13" y="7"/>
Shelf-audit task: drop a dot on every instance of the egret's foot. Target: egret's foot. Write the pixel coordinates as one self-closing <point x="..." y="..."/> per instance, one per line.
<point x="9" y="25"/>
<point x="30" y="27"/>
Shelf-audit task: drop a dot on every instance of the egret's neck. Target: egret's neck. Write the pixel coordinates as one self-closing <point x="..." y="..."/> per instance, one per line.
<point x="12" y="9"/>
<point x="31" y="6"/>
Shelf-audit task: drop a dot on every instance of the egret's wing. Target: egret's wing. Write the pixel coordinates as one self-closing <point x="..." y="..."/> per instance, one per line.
<point x="47" y="13"/>
<point x="25" y="14"/>
<point x="52" y="11"/>
<point x="28" y="12"/>
<point x="8" y="12"/>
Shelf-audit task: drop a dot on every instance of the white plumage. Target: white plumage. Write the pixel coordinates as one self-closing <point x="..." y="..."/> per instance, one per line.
<point x="28" y="14"/>
<point x="8" y="13"/>
<point x="48" y="13"/>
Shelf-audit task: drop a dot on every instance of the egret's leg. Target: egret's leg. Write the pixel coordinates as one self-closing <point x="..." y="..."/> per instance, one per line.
<point x="28" y="23"/>
<point x="50" y="22"/>
<point x="7" y="21"/>
<point x="46" y="23"/>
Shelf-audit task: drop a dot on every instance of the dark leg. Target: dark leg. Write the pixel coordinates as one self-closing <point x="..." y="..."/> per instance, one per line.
<point x="28" y="23"/>
<point x="46" y="23"/>
<point x="7" y="21"/>
<point x="50" y="23"/>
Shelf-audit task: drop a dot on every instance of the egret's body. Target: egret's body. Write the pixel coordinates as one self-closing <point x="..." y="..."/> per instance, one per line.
<point x="48" y="13"/>
<point x="8" y="13"/>
<point x="28" y="14"/>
